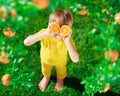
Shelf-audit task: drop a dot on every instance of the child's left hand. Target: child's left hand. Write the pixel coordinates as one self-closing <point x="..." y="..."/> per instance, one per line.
<point x="67" y="38"/>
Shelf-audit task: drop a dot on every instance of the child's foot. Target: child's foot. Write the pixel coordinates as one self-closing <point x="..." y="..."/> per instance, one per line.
<point x="43" y="83"/>
<point x="59" y="85"/>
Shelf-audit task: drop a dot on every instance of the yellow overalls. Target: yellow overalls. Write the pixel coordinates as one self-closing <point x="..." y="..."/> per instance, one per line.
<point x="53" y="52"/>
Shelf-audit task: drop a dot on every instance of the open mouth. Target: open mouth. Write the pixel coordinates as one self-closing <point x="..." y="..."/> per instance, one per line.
<point x="57" y="36"/>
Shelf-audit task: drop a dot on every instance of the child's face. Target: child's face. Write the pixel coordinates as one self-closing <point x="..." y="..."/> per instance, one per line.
<point x="56" y="36"/>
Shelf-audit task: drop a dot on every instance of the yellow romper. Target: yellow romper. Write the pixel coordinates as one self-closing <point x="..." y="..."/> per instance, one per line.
<point x="53" y="53"/>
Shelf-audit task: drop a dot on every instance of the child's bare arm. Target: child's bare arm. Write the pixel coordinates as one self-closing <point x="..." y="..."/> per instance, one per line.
<point x="71" y="50"/>
<point x="34" y="38"/>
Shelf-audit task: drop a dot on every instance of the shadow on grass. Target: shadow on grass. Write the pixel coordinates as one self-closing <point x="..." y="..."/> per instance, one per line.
<point x="75" y="84"/>
<point x="72" y="82"/>
<point x="109" y="93"/>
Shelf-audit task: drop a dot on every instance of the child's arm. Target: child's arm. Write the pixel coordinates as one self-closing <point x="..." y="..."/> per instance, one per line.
<point x="34" y="38"/>
<point x="71" y="50"/>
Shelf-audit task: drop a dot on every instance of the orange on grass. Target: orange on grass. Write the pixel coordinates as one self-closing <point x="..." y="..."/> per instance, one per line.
<point x="106" y="88"/>
<point x="55" y="27"/>
<point x="8" y="32"/>
<point x="65" y="30"/>
<point x="112" y="55"/>
<point x="3" y="12"/>
<point x="106" y="11"/>
<point x="3" y="9"/>
<point x="105" y="19"/>
<point x="6" y="83"/>
<point x="4" y="60"/>
<point x="43" y="4"/>
<point x="83" y="12"/>
<point x="117" y="18"/>
<point x="6" y="79"/>
<point x="4" y="15"/>
<point x="13" y="12"/>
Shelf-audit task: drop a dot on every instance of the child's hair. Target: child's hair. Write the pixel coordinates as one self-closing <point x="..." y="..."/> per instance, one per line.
<point x="64" y="17"/>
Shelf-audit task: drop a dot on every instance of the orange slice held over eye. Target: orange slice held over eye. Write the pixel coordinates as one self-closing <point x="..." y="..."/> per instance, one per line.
<point x="55" y="27"/>
<point x="65" y="30"/>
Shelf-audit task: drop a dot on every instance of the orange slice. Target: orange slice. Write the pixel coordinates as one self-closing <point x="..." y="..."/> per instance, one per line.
<point x="42" y="4"/>
<point x="112" y="55"/>
<point x="84" y="12"/>
<point x="13" y="12"/>
<point x="6" y="83"/>
<point x="8" y="32"/>
<point x="6" y="79"/>
<point x="117" y="18"/>
<point x="55" y="27"/>
<point x="106" y="88"/>
<point x="4" y="60"/>
<point x="65" y="30"/>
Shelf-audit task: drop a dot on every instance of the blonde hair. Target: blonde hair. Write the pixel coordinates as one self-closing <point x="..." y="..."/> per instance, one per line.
<point x="63" y="16"/>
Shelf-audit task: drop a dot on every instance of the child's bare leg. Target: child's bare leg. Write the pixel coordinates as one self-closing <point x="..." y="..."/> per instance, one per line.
<point x="43" y="83"/>
<point x="59" y="85"/>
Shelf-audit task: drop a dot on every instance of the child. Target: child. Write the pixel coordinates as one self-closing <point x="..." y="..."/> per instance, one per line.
<point x="54" y="49"/>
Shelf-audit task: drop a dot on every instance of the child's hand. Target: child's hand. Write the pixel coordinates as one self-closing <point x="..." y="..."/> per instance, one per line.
<point x="67" y="38"/>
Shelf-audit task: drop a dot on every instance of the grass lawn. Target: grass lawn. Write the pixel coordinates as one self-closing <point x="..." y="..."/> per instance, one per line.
<point x="76" y="72"/>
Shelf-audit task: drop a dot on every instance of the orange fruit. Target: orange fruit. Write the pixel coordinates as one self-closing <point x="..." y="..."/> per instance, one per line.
<point x="6" y="79"/>
<point x="65" y="30"/>
<point x="4" y="15"/>
<point x="3" y="12"/>
<point x="3" y="9"/>
<point x="8" y="32"/>
<point x="4" y="60"/>
<point x="55" y="27"/>
<point x="105" y="19"/>
<point x="117" y="18"/>
<point x="112" y="55"/>
<point x="13" y="12"/>
<point x="106" y="88"/>
<point x="6" y="83"/>
<point x="83" y="12"/>
<point x="43" y="4"/>
<point x="106" y="11"/>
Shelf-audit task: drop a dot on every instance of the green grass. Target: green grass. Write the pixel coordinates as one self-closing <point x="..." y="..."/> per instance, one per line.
<point x="76" y="72"/>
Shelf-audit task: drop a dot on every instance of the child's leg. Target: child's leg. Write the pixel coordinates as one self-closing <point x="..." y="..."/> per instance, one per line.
<point x="61" y="74"/>
<point x="46" y="70"/>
